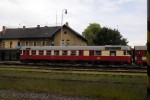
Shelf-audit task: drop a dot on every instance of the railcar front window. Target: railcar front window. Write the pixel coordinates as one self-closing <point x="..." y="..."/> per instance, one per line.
<point x="129" y="52"/>
<point x="124" y="52"/>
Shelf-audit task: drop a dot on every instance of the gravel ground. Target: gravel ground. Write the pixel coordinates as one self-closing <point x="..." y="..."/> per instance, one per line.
<point x="13" y="95"/>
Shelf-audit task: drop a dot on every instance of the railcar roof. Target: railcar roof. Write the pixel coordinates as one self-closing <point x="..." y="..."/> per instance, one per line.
<point x="140" y="47"/>
<point x="76" y="47"/>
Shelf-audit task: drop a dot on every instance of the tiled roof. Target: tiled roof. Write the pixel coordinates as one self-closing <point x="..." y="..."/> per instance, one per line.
<point x="30" y="32"/>
<point x="41" y="32"/>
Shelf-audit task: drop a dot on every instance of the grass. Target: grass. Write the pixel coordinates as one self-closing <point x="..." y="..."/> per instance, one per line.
<point x="96" y="86"/>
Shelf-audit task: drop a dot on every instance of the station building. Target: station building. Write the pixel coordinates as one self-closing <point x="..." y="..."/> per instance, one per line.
<point x="12" y="39"/>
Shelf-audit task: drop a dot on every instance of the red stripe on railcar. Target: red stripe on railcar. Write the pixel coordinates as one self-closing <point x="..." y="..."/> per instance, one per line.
<point x="74" y="58"/>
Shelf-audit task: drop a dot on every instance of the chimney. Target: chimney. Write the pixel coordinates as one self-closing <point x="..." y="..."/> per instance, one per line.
<point x="67" y="24"/>
<point x="3" y="30"/>
<point x="24" y="27"/>
<point x="38" y="26"/>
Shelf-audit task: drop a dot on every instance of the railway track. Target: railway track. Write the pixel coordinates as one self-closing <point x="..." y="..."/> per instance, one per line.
<point x="75" y="67"/>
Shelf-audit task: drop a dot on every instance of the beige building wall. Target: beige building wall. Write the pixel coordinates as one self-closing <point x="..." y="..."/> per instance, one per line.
<point x="68" y="35"/>
<point x="8" y="43"/>
<point x="38" y="42"/>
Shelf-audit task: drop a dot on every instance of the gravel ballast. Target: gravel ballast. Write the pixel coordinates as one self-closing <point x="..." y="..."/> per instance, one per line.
<point x="10" y="94"/>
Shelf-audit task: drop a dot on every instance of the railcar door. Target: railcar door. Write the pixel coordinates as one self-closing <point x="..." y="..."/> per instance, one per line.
<point x="139" y="57"/>
<point x="27" y="52"/>
<point x="80" y="52"/>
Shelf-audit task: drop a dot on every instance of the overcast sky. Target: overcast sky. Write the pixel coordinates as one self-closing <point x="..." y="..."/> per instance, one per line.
<point x="129" y="16"/>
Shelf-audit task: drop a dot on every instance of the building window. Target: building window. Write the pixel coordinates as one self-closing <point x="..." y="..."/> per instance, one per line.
<point x="56" y="53"/>
<point x="64" y="53"/>
<point x="11" y="44"/>
<point x="65" y="32"/>
<point x="34" y="43"/>
<point x="98" y="53"/>
<point x="19" y="44"/>
<point x="112" y="53"/>
<point x="41" y="52"/>
<point x="68" y="42"/>
<point x="52" y="43"/>
<point x="33" y="52"/>
<point x="44" y="43"/>
<point x="3" y="44"/>
<point x="27" y="43"/>
<point x="62" y="43"/>
<point x="48" y="53"/>
<point x="73" y="52"/>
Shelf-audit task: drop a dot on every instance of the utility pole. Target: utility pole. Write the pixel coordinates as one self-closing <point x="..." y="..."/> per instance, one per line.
<point x="148" y="49"/>
<point x="61" y="38"/>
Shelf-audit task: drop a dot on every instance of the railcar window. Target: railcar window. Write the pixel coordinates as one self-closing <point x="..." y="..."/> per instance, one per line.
<point x="40" y="52"/>
<point x="112" y="53"/>
<point x="64" y="53"/>
<point x="48" y="53"/>
<point x="33" y="52"/>
<point x="56" y="53"/>
<point x="73" y="52"/>
<point x="98" y="53"/>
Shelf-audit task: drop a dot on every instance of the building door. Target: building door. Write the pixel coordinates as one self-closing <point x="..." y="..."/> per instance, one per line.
<point x="2" y="55"/>
<point x="17" y="55"/>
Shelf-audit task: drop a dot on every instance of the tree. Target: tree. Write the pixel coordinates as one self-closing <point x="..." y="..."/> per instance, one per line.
<point x="90" y="32"/>
<point x="103" y="36"/>
<point x="108" y="36"/>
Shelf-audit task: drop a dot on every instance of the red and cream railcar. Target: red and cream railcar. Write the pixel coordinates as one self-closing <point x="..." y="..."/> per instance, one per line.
<point x="140" y="55"/>
<point x="119" y="54"/>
